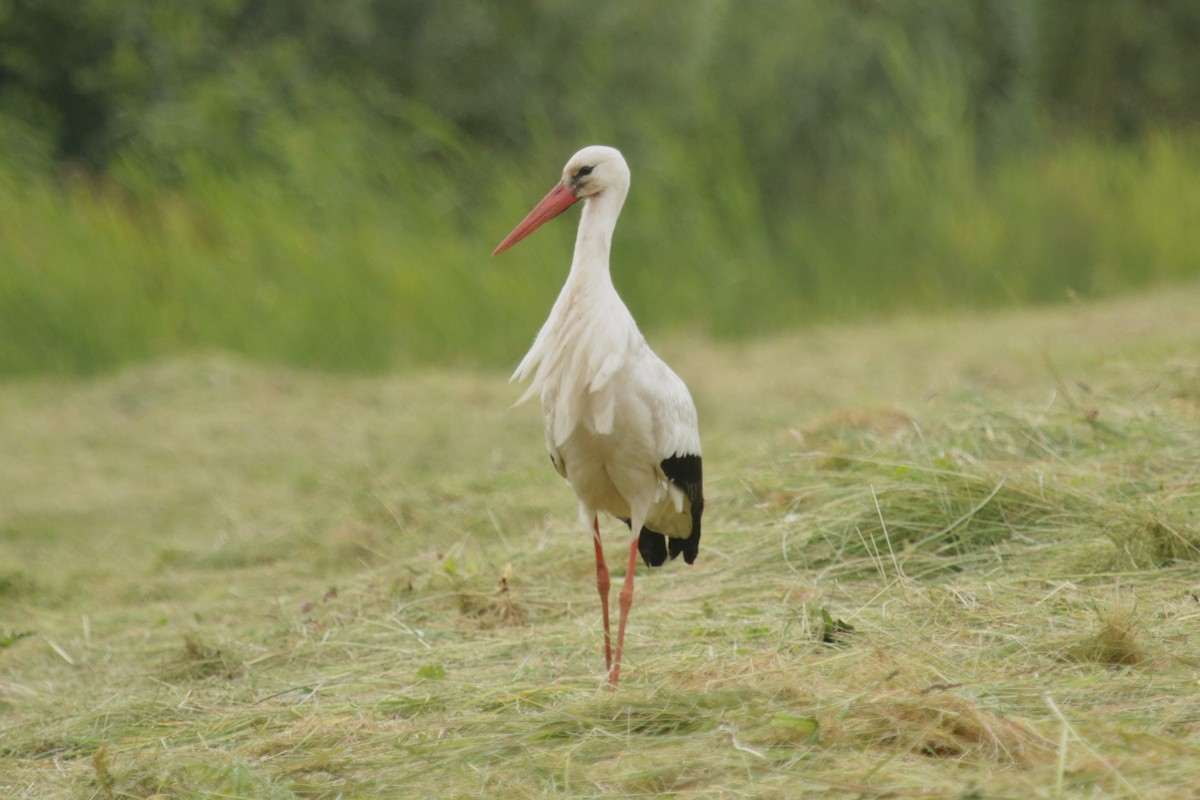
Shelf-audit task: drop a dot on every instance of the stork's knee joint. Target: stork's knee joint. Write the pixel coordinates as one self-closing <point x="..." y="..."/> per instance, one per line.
<point x="626" y="598"/>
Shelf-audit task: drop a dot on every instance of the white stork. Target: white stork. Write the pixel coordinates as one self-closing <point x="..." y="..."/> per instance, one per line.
<point x="620" y="425"/>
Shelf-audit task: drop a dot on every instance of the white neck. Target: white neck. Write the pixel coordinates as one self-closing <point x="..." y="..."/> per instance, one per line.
<point x="594" y="239"/>
<point x="588" y="293"/>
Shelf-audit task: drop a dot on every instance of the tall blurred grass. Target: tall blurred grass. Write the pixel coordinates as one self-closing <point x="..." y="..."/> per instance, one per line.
<point x="365" y="255"/>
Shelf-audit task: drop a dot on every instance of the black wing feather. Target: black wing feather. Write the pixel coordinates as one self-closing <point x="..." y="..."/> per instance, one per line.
<point x="687" y="473"/>
<point x="653" y="547"/>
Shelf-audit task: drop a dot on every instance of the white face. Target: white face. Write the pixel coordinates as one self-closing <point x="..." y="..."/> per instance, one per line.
<point x="594" y="169"/>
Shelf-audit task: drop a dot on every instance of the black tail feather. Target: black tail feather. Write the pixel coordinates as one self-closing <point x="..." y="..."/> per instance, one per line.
<point x="651" y="544"/>
<point x="653" y="547"/>
<point x="689" y="546"/>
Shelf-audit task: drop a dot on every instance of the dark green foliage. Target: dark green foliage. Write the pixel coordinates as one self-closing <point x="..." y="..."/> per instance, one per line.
<point x="808" y="87"/>
<point x="1119" y="68"/>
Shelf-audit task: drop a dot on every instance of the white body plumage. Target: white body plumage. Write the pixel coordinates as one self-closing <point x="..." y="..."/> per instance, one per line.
<point x="620" y="425"/>
<point x="614" y="411"/>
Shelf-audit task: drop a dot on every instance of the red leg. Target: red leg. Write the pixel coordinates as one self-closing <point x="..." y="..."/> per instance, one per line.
<point x="602" y="584"/>
<point x="625" y="600"/>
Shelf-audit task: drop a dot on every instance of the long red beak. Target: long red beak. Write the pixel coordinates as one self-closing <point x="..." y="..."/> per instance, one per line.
<point x="553" y="204"/>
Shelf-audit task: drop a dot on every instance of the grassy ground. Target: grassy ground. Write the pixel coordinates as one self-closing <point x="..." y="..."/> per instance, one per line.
<point x="950" y="557"/>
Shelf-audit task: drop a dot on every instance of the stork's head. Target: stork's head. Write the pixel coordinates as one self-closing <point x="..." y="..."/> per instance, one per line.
<point x="594" y="169"/>
<point x="591" y="172"/>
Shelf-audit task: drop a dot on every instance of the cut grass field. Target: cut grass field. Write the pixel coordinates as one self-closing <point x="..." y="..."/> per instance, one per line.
<point x="944" y="557"/>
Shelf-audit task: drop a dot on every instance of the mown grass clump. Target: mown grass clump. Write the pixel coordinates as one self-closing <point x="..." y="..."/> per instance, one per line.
<point x="931" y="521"/>
<point x="940" y="725"/>
<point x="499" y="607"/>
<point x="1154" y="533"/>
<point x="1114" y="642"/>
<point x="200" y="658"/>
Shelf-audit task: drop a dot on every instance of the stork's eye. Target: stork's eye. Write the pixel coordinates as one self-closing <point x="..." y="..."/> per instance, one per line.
<point x="584" y="172"/>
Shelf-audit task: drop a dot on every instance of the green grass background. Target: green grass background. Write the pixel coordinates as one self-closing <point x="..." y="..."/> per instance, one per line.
<point x="333" y="268"/>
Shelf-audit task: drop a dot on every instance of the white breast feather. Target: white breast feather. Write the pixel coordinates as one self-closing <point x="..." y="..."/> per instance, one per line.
<point x="584" y="344"/>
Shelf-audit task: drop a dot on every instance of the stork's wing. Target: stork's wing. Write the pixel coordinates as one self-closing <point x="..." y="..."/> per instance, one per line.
<point x="677" y="443"/>
<point x="676" y="430"/>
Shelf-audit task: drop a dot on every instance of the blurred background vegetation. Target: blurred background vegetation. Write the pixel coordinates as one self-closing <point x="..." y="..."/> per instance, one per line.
<point x="320" y="184"/>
